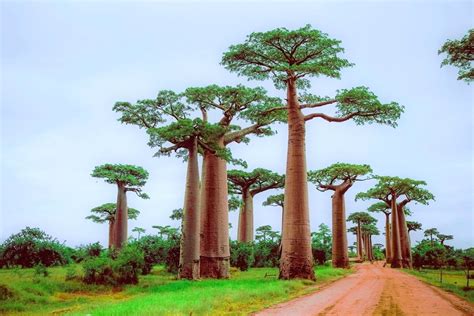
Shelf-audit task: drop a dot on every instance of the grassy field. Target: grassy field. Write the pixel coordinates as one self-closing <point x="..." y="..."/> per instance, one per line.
<point x="25" y="293"/>
<point x="454" y="281"/>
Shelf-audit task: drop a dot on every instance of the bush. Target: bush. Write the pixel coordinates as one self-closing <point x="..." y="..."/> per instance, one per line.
<point x="267" y="253"/>
<point x="319" y="255"/>
<point x="123" y="270"/>
<point x="86" y="251"/>
<point x="242" y="255"/>
<point x="30" y="247"/>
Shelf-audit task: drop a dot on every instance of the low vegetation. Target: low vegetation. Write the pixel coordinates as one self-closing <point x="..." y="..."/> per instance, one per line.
<point x="24" y="290"/>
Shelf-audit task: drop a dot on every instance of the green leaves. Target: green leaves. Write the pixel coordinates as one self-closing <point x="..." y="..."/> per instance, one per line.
<point x="413" y="226"/>
<point x="275" y="200"/>
<point x="460" y="53"/>
<point x="127" y="175"/>
<point x="256" y="181"/>
<point x="106" y="213"/>
<point x="150" y="112"/>
<point x="337" y="173"/>
<point x="366" y="108"/>
<point x="362" y="217"/>
<point x="277" y="54"/>
<point x="411" y="189"/>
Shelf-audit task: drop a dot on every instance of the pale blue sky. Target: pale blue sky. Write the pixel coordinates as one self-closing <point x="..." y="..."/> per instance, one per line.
<point x="65" y="64"/>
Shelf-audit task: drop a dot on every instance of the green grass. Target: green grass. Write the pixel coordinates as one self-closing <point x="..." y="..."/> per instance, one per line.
<point x="454" y="281"/>
<point x="157" y="293"/>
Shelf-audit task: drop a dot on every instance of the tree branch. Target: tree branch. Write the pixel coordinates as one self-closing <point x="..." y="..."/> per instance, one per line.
<point x="315" y="105"/>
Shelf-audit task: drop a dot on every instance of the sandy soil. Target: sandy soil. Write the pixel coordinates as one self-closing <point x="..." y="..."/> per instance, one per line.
<point x="375" y="290"/>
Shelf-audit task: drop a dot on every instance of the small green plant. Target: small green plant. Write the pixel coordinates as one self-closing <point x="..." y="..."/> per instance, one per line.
<point x="41" y="270"/>
<point x="71" y="274"/>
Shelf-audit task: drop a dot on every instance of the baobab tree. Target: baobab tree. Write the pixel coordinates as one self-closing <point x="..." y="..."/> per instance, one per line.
<point x="106" y="214"/>
<point x="289" y="58"/>
<point x="361" y="218"/>
<point x="460" y="53"/>
<point x="388" y="190"/>
<point x="442" y="238"/>
<point x="127" y="178"/>
<point x="430" y="232"/>
<point x="276" y="200"/>
<point x="249" y="184"/>
<point x="339" y="178"/>
<point x="139" y="231"/>
<point x="250" y="105"/>
<point x="411" y="227"/>
<point x="369" y="230"/>
<point x="385" y="209"/>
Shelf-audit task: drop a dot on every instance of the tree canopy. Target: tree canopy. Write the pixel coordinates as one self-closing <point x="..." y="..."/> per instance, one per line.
<point x="460" y="54"/>
<point x="370" y="229"/>
<point x="339" y="173"/>
<point x="275" y="200"/>
<point x="361" y="217"/>
<point x="408" y="189"/>
<point x="413" y="226"/>
<point x="106" y="213"/>
<point x="283" y="54"/>
<point x="132" y="177"/>
<point x="256" y="181"/>
<point x="379" y="207"/>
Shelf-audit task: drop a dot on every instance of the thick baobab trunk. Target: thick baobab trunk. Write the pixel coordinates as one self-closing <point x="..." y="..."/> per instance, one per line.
<point x="245" y="229"/>
<point x="404" y="238"/>
<point x="396" y="245"/>
<point x="371" y="248"/>
<point x="340" y="257"/>
<point x="360" y="250"/>
<point x="215" y="251"/>
<point x="111" y="233"/>
<point x="388" y="242"/>
<point x="296" y="259"/>
<point x="121" y="218"/>
<point x="189" y="259"/>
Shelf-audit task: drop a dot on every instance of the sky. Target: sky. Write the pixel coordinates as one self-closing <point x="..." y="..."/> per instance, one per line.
<point x="64" y="65"/>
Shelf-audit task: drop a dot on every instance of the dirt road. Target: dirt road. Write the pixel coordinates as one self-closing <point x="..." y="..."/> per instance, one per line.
<point x="375" y="290"/>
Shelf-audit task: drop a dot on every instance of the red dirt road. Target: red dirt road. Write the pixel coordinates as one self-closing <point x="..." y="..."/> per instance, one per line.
<point x="375" y="290"/>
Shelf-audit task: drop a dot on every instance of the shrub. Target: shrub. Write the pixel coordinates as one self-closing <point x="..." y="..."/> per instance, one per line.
<point x="122" y="270"/>
<point x="242" y="255"/>
<point x="319" y="255"/>
<point x="267" y="253"/>
<point x="86" y="251"/>
<point x="30" y="247"/>
<point x="40" y="269"/>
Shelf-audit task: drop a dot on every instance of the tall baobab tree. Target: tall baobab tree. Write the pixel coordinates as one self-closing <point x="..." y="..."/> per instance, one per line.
<point x="385" y="209"/>
<point x="250" y="105"/>
<point x="361" y="218"/>
<point x="127" y="178"/>
<point x="106" y="214"/>
<point x="249" y="184"/>
<point x="388" y="190"/>
<point x="289" y="58"/>
<point x="369" y="230"/>
<point x="206" y="212"/>
<point x="460" y="53"/>
<point x="339" y="178"/>
<point x="139" y="231"/>
<point x="276" y="200"/>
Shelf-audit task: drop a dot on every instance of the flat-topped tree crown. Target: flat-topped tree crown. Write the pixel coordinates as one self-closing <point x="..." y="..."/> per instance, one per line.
<point x="379" y="207"/>
<point x="409" y="189"/>
<point x="370" y="229"/>
<point x="256" y="181"/>
<point x="275" y="200"/>
<point x="361" y="217"/>
<point x="413" y="226"/>
<point x="129" y="176"/>
<point x="338" y="175"/>
<point x="106" y="213"/>
<point x="251" y="105"/>
<point x="150" y="113"/>
<point x="280" y="53"/>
